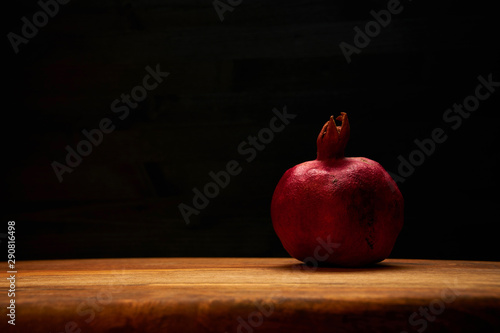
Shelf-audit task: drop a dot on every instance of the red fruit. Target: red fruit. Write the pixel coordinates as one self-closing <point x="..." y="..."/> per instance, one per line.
<point x="344" y="211"/>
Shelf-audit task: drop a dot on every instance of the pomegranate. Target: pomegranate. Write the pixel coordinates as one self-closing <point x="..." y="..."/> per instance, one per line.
<point x="350" y="202"/>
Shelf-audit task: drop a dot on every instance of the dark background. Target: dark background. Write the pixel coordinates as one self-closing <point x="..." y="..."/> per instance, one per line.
<point x="225" y="79"/>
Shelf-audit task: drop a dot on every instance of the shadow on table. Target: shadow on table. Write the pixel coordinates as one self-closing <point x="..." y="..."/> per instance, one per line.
<point x="301" y="267"/>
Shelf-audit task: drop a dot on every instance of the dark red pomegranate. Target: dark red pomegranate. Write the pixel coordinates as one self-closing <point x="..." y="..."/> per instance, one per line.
<point x="351" y="202"/>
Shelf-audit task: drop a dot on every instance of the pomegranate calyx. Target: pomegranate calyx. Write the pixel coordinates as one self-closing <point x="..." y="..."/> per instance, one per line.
<point x="332" y="139"/>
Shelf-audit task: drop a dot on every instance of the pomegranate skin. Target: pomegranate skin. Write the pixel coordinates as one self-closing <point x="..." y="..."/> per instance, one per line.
<point x="350" y="204"/>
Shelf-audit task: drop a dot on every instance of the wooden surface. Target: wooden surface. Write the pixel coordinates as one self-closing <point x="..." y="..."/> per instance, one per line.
<point x="253" y="295"/>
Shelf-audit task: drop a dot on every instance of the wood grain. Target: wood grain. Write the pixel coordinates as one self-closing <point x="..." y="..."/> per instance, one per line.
<point x="253" y="295"/>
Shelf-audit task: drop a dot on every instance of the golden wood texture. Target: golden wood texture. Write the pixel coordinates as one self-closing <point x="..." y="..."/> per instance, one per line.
<point x="253" y="295"/>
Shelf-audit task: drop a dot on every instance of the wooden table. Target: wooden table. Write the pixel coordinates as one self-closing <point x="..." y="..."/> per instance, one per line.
<point x="253" y="295"/>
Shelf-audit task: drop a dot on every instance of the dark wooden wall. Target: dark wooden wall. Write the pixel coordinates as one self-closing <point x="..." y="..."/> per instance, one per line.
<point x="225" y="79"/>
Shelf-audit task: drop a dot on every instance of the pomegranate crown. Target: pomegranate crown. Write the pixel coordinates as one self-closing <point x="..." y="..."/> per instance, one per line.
<point x="332" y="139"/>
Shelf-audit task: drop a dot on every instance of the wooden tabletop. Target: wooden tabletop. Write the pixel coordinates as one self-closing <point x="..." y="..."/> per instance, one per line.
<point x="252" y="295"/>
